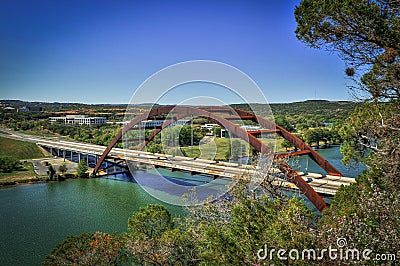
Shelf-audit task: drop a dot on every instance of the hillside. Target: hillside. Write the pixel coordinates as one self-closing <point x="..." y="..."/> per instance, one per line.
<point x="19" y="149"/>
<point x="309" y="107"/>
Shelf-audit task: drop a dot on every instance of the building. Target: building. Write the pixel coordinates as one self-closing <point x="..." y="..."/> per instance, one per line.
<point x="158" y="123"/>
<point x="79" y="119"/>
<point x="25" y="109"/>
<point x="209" y="126"/>
<point x="9" y="109"/>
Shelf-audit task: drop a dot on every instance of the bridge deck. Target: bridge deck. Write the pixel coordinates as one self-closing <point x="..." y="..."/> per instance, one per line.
<point x="324" y="184"/>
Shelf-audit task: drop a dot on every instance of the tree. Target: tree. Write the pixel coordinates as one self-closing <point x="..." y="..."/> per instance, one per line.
<point x="63" y="168"/>
<point x="367" y="218"/>
<point x="312" y="136"/>
<point x="87" y="249"/>
<point x="364" y="33"/>
<point x="82" y="169"/>
<point x="51" y="172"/>
<point x="287" y="144"/>
<point x="367" y="36"/>
<point x="231" y="230"/>
<point x="154" y="239"/>
<point x="151" y="221"/>
<point x="284" y="122"/>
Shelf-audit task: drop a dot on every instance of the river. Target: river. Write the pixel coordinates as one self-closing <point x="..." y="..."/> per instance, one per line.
<point x="34" y="218"/>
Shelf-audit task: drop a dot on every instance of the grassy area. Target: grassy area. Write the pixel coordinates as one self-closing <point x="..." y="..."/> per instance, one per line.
<point x="19" y="149"/>
<point x="214" y="150"/>
<point x="23" y="175"/>
<point x="217" y="149"/>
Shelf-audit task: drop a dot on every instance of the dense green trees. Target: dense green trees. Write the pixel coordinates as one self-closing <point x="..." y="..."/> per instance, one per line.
<point x="317" y="135"/>
<point x="231" y="232"/>
<point x="8" y="164"/>
<point x="87" y="249"/>
<point x="154" y="239"/>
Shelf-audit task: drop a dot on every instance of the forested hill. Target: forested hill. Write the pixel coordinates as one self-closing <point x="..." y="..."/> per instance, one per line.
<point x="309" y="107"/>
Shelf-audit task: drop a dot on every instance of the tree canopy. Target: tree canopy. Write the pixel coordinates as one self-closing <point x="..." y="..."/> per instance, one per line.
<point x="366" y="34"/>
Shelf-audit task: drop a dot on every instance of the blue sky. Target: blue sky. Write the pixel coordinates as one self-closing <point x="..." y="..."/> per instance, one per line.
<point x="101" y="51"/>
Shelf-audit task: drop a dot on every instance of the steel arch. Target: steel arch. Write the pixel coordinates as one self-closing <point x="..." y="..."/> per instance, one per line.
<point x="207" y="112"/>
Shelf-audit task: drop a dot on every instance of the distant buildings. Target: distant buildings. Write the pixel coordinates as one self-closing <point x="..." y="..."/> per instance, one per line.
<point x="79" y="119"/>
<point x="25" y="109"/>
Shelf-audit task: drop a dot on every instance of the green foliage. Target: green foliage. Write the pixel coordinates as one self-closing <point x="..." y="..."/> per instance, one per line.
<point x="365" y="33"/>
<point x="153" y="240"/>
<point x="368" y="218"/>
<point x="231" y="232"/>
<point x="188" y="133"/>
<point x="82" y="169"/>
<point x="8" y="164"/>
<point x="308" y="111"/>
<point x="87" y="249"/>
<point x="51" y="172"/>
<point x="287" y="144"/>
<point x="151" y="221"/>
<point x="317" y="135"/>
<point x="63" y="168"/>
<point x="283" y="122"/>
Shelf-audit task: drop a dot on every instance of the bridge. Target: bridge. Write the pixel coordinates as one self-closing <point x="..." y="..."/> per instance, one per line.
<point x="312" y="185"/>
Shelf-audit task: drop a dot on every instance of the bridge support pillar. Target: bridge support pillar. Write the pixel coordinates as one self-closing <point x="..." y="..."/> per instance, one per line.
<point x="79" y="157"/>
<point x="71" y="155"/>
<point x="64" y="155"/>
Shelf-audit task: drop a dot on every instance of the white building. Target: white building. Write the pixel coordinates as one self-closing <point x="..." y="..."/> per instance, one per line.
<point x="79" y="119"/>
<point x="209" y="126"/>
<point x="158" y="123"/>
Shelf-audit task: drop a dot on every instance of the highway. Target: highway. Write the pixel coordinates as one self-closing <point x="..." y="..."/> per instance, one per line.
<point x="324" y="184"/>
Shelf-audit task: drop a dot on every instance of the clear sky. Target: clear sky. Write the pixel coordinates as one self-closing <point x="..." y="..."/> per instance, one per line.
<point x="100" y="51"/>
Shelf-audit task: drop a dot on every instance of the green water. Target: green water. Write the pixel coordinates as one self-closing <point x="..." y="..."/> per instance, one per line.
<point x="34" y="218"/>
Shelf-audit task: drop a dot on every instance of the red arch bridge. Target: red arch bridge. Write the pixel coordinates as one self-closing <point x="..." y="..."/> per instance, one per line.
<point x="225" y="117"/>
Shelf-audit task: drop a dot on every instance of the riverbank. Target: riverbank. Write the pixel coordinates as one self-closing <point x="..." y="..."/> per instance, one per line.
<point x="35" y="171"/>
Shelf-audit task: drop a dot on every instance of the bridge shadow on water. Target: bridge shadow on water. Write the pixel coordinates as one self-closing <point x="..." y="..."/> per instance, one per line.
<point x="152" y="179"/>
<point x="182" y="178"/>
<point x="173" y="185"/>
